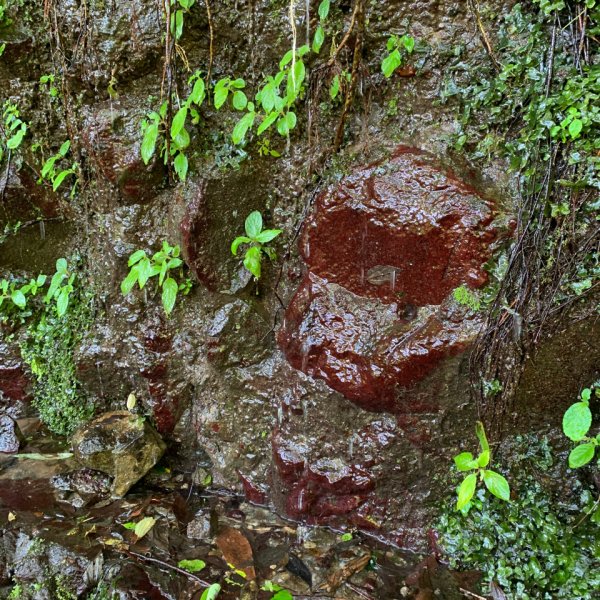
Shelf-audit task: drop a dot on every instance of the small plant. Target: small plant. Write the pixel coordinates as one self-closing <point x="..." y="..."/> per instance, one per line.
<point x="56" y="176"/>
<point x="18" y="295"/>
<point x="14" y="129"/>
<point x="177" y="16"/>
<point x="319" y="36"/>
<point x="464" y="296"/>
<point x="279" y="592"/>
<point x="576" y="424"/>
<point x="277" y="109"/>
<point x="256" y="237"/>
<point x="398" y="47"/>
<point x="227" y="87"/>
<point x="162" y="264"/>
<point x="48" y="81"/>
<point x="493" y="481"/>
<point x="61" y="286"/>
<point x="175" y="138"/>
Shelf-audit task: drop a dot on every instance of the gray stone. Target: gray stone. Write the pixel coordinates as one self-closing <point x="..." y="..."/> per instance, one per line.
<point x="119" y="444"/>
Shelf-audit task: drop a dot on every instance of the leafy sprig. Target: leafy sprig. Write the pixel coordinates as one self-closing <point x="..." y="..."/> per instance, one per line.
<point x="256" y="237"/>
<point x="493" y="481"/>
<point x="162" y="265"/>
<point x="576" y="424"/>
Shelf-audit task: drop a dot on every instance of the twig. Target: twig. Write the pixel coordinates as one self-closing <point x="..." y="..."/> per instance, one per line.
<point x="162" y="563"/>
<point x="359" y="16"/>
<point x="211" y="34"/>
<point x="485" y="40"/>
<point x="471" y="594"/>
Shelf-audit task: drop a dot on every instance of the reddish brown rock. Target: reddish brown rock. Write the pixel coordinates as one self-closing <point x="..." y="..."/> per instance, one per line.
<point x="385" y="249"/>
<point x="403" y="230"/>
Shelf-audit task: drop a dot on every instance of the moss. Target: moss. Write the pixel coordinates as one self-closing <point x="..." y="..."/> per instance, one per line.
<point x="48" y="350"/>
<point x="538" y="546"/>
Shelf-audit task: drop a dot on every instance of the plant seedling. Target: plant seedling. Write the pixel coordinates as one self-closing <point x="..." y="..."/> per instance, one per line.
<point x="256" y="237"/>
<point x="397" y="47"/>
<point x="577" y="422"/>
<point x="142" y="268"/>
<point x="493" y="481"/>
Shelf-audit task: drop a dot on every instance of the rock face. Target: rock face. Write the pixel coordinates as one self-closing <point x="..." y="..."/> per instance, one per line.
<point x="119" y="444"/>
<point x="384" y="250"/>
<point x="11" y="437"/>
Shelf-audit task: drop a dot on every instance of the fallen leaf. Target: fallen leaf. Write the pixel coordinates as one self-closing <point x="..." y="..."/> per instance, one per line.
<point x="236" y="550"/>
<point x="11" y="516"/>
<point x="144" y="526"/>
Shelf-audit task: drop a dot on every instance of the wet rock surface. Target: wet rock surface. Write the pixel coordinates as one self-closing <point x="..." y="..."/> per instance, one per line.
<point x="384" y="250"/>
<point x="121" y="445"/>
<point x="11" y="437"/>
<point x="97" y="550"/>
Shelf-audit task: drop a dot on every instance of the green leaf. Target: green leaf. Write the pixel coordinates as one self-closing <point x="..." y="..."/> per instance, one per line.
<point x="466" y="491"/>
<point x="211" y="592"/>
<point x="391" y="63"/>
<point x="238" y="83"/>
<point x="497" y="485"/>
<point x="575" y="128"/>
<point x="581" y="455"/>
<point x="282" y="127"/>
<point x="149" y="142"/>
<point x="268" y="95"/>
<point x="62" y="301"/>
<point x="64" y="148"/>
<point x="240" y="130"/>
<point x="586" y="394"/>
<point x="179" y="121"/>
<point x="144" y="526"/>
<point x="129" y="281"/>
<point x="136" y="257"/>
<point x="237" y="242"/>
<point x="465" y="462"/>
<point x="129" y="525"/>
<point x="54" y="285"/>
<point x="18" y="298"/>
<point x="48" y="166"/>
<point x="252" y="261"/>
<point x="282" y="595"/>
<point x="144" y="272"/>
<point x="240" y="100"/>
<point x="221" y="93"/>
<point x="334" y="90"/>
<point x="253" y="224"/>
<point x="198" y="92"/>
<point x="480" y="432"/>
<point x="169" y="294"/>
<point x="56" y="182"/>
<point x="324" y="9"/>
<point x="267" y="122"/>
<point x="267" y="235"/>
<point x="318" y="39"/>
<point x="346" y="537"/>
<point x="191" y="566"/>
<point x="287" y="57"/>
<point x="483" y="460"/>
<point x="178" y="24"/>
<point x="291" y="120"/>
<point x="409" y="43"/>
<point x="577" y="421"/>
<point x="181" y="166"/>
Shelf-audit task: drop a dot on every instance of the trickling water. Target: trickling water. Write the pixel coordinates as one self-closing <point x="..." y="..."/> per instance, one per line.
<point x="393" y="279"/>
<point x="305" y="352"/>
<point x="362" y="276"/>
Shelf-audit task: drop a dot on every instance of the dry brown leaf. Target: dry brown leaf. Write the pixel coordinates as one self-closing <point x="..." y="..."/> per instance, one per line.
<point x="236" y="550"/>
<point x="339" y="576"/>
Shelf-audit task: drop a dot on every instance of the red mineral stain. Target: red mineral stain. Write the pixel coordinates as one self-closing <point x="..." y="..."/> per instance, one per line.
<point x="385" y="248"/>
